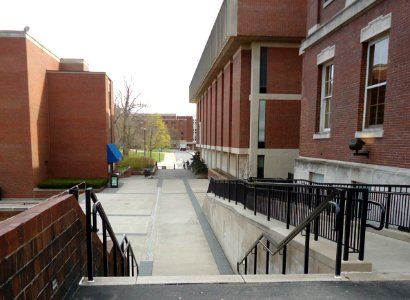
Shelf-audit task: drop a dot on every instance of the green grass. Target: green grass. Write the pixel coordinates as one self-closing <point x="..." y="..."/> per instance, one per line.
<point x="65" y="183"/>
<point x="154" y="155"/>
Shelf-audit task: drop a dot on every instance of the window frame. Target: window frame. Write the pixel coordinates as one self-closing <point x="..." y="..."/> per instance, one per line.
<point x="324" y="98"/>
<point x="366" y="110"/>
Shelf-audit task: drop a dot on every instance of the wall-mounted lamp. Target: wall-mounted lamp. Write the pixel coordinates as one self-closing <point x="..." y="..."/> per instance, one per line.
<point x="357" y="145"/>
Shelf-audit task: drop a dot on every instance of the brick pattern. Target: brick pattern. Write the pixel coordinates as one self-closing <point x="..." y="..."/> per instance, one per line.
<point x="348" y="94"/>
<point x="4" y="215"/>
<point x="43" y="244"/>
<point x="278" y="18"/>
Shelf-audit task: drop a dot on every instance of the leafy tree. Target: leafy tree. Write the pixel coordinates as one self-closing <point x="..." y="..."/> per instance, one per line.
<point x="156" y="133"/>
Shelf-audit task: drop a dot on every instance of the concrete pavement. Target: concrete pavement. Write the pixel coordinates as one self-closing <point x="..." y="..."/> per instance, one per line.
<point x="158" y="217"/>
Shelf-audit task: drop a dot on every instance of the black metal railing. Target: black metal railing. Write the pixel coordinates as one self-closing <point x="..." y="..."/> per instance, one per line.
<point x="127" y="264"/>
<point x="395" y="199"/>
<point x="291" y="203"/>
<point x="306" y="224"/>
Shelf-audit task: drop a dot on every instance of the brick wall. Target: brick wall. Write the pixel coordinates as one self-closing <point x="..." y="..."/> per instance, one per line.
<point x="38" y="62"/>
<point x="280" y="18"/>
<point x="15" y="151"/>
<point x="241" y="75"/>
<point x="349" y="82"/>
<point x="227" y="106"/>
<point x="78" y="104"/>
<point x="43" y="244"/>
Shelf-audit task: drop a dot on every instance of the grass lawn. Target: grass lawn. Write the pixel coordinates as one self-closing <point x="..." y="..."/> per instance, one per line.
<point x="154" y="155"/>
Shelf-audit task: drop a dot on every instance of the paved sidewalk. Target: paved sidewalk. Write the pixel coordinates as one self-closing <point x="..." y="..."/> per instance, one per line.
<point x="164" y="229"/>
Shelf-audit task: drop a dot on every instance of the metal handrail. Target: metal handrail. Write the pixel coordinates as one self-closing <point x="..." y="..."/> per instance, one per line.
<point x="124" y="248"/>
<point x="304" y="224"/>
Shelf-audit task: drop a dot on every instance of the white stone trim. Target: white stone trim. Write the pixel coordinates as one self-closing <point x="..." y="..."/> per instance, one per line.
<point x="376" y="27"/>
<point x="240" y="151"/>
<point x="218" y="148"/>
<point x="326" y="4"/>
<point x="313" y="29"/>
<point x="348" y="2"/>
<point x="321" y="135"/>
<point x="284" y="97"/>
<point x="370" y="133"/>
<point x="326" y="55"/>
<point x="341" y="18"/>
<point x="278" y="45"/>
<point x="225" y="149"/>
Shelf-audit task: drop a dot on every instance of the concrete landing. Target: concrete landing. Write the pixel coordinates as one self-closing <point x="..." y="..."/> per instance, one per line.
<point x="352" y="286"/>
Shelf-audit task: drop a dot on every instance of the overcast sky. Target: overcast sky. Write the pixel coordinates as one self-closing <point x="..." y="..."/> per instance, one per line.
<point x="157" y="43"/>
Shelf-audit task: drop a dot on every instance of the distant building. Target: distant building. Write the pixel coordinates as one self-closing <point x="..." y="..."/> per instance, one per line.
<point x="180" y="129"/>
<point x="356" y="79"/>
<point x="55" y="116"/>
<point x="247" y="87"/>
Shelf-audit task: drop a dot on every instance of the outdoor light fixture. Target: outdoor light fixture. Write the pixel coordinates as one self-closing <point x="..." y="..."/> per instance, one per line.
<point x="357" y="145"/>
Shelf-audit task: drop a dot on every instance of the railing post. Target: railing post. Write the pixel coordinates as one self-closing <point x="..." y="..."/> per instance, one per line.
<point x="229" y="191"/>
<point x="236" y="192"/>
<point x="75" y="192"/>
<point x="348" y="222"/>
<point x="288" y="201"/>
<point x="122" y="260"/>
<point x="284" y="260"/>
<point x="105" y="256"/>
<point x="307" y="240"/>
<point x="267" y="257"/>
<point x="255" y="261"/>
<point x="246" y="265"/>
<point x="339" y="234"/>
<point x="115" y="261"/>
<point x="363" y="219"/>
<point x="254" y="199"/>
<point x="245" y="194"/>
<point x="388" y="203"/>
<point x="317" y="220"/>
<point x="90" y="271"/>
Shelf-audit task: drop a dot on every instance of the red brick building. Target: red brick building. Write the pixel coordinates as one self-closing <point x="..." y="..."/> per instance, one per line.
<point x="180" y="129"/>
<point x="55" y="116"/>
<point x="247" y="87"/>
<point x="356" y="79"/>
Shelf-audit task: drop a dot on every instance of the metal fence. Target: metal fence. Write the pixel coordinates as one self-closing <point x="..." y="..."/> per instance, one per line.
<point x="291" y="202"/>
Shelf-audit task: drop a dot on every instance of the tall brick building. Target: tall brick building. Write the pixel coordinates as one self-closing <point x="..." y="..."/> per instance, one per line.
<point x="55" y="116"/>
<point x="356" y="79"/>
<point x="247" y="87"/>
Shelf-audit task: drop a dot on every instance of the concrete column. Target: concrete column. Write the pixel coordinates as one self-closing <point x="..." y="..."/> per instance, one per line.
<point x="254" y="108"/>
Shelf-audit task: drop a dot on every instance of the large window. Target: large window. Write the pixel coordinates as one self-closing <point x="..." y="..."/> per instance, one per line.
<point x="377" y="63"/>
<point x="261" y="124"/>
<point x="326" y="98"/>
<point x="260" y="172"/>
<point x="263" y="72"/>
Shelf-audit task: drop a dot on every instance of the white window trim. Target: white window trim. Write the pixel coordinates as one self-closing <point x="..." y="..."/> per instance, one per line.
<point x="322" y="98"/>
<point x="321" y="135"/>
<point x="326" y="55"/>
<point x="327" y="2"/>
<point x="375" y="28"/>
<point x="376" y="127"/>
<point x="376" y="132"/>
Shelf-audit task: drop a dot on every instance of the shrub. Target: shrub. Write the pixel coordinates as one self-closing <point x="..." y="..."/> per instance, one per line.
<point x="136" y="163"/>
<point x="66" y="183"/>
<point x="198" y="165"/>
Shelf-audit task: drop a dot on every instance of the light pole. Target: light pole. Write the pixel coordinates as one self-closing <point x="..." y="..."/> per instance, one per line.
<point x="144" y="140"/>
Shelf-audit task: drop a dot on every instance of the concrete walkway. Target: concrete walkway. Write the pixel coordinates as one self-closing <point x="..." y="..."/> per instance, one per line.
<point x="165" y="230"/>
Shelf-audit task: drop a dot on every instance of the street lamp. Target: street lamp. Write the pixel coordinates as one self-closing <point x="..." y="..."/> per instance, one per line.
<point x="144" y="139"/>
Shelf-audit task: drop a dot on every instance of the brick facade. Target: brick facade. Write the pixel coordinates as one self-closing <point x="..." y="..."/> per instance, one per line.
<point x="46" y="113"/>
<point x="227" y="96"/>
<point x="180" y="128"/>
<point x="390" y="149"/>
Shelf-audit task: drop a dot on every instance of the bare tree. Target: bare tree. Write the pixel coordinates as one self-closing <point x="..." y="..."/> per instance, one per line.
<point x="126" y="109"/>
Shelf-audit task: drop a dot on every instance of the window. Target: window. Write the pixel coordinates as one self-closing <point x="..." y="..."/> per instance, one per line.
<point x="261" y="124"/>
<point x="377" y="64"/>
<point x="263" y="71"/>
<point x="326" y="98"/>
<point x="261" y="166"/>
<point x="316" y="177"/>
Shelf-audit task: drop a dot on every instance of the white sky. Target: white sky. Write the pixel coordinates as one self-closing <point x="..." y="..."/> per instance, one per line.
<point x="157" y="43"/>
